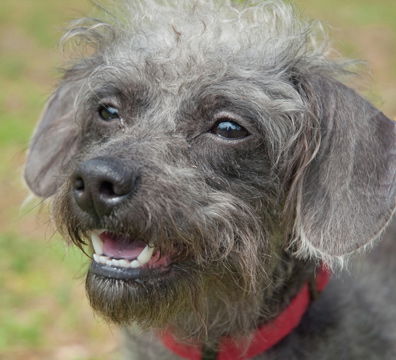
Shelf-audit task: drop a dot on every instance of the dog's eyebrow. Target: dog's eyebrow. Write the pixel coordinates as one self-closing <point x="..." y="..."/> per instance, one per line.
<point x="107" y="91"/>
<point x="212" y="104"/>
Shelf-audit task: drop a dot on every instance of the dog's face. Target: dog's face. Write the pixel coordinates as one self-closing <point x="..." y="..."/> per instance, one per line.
<point x="194" y="162"/>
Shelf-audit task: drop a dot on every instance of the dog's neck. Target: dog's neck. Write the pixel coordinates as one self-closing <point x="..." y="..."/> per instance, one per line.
<point x="271" y="329"/>
<point x="244" y="317"/>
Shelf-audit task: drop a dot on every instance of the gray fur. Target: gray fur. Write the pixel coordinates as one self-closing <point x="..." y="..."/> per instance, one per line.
<point x="250" y="219"/>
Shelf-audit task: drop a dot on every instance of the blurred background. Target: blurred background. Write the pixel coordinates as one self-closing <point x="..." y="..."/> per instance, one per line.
<point x="44" y="313"/>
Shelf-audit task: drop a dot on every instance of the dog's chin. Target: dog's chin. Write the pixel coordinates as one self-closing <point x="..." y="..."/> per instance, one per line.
<point x="151" y="297"/>
<point x="138" y="275"/>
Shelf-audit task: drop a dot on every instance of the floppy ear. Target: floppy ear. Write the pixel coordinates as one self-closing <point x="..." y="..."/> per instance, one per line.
<point x="53" y="144"/>
<point x="347" y="194"/>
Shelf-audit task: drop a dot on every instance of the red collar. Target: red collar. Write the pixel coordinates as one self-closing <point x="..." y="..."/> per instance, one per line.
<point x="265" y="337"/>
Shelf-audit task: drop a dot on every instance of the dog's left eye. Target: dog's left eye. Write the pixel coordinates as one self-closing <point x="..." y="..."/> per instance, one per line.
<point x="230" y="130"/>
<point x="108" y="112"/>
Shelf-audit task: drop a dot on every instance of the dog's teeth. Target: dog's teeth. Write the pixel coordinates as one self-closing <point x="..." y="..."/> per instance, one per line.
<point x="103" y="259"/>
<point x="135" y="264"/>
<point x="109" y="262"/>
<point x="143" y="258"/>
<point x="112" y="262"/>
<point x="145" y="255"/>
<point x="119" y="263"/>
<point x="115" y="262"/>
<point x="123" y="263"/>
<point x="97" y="243"/>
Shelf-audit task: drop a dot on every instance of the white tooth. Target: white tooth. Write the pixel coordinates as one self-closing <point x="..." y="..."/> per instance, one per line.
<point x="146" y="255"/>
<point x="123" y="263"/>
<point x="135" y="264"/>
<point x="115" y="262"/>
<point x="109" y="262"/>
<point x="96" y="257"/>
<point x="97" y="243"/>
<point x="103" y="259"/>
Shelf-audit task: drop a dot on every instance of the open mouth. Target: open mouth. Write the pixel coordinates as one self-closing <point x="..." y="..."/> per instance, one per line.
<point x="123" y="257"/>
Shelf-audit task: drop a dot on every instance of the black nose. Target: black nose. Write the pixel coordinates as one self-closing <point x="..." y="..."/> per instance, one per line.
<point x="101" y="184"/>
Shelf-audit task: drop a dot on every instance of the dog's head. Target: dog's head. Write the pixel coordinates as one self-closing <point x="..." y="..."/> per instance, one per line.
<point x="196" y="145"/>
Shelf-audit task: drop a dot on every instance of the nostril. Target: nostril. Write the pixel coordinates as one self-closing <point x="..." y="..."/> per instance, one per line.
<point x="79" y="184"/>
<point x="107" y="188"/>
<point x="114" y="189"/>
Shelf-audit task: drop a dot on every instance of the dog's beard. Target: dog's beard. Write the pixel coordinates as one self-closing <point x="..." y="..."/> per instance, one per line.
<point x="150" y="303"/>
<point x="196" y="305"/>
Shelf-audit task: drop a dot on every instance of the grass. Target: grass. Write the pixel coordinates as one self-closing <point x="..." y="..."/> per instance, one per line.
<point x="43" y="310"/>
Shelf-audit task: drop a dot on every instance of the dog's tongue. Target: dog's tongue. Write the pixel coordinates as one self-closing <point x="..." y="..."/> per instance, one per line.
<point x="121" y="247"/>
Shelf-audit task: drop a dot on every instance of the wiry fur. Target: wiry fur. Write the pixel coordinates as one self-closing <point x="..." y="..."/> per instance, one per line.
<point x="247" y="221"/>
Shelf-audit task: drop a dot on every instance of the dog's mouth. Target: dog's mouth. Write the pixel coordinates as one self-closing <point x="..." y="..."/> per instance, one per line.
<point x="126" y="258"/>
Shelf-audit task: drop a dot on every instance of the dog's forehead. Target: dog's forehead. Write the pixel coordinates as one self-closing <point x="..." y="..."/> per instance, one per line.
<point x="168" y="63"/>
<point x="173" y="75"/>
<point x="178" y="41"/>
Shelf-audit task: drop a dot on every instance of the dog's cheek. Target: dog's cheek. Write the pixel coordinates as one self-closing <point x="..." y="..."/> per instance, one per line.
<point x="224" y="164"/>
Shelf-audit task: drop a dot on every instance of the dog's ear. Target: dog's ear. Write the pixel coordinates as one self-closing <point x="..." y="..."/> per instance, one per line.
<point x="54" y="142"/>
<point x="347" y="194"/>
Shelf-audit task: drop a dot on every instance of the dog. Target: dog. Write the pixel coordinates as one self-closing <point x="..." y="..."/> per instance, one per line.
<point x="209" y="160"/>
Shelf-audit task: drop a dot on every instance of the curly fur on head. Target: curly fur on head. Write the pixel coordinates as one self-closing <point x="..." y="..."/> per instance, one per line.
<point x="246" y="221"/>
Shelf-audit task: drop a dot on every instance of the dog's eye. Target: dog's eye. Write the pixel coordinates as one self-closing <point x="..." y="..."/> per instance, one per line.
<point x="108" y="112"/>
<point x="229" y="129"/>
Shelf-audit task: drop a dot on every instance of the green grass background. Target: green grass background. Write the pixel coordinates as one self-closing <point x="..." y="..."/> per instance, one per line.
<point x="43" y="310"/>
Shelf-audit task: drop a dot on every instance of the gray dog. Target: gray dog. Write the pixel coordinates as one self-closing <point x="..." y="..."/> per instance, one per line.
<point x="218" y="166"/>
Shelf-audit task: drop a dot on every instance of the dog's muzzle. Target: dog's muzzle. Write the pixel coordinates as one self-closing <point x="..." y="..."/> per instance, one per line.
<point x="100" y="185"/>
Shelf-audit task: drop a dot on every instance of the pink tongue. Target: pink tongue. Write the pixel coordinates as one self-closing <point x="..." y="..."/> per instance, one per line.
<point x="121" y="247"/>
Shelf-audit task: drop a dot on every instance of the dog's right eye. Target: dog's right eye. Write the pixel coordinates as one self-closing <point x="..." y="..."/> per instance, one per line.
<point x="108" y="112"/>
<point x="229" y="130"/>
